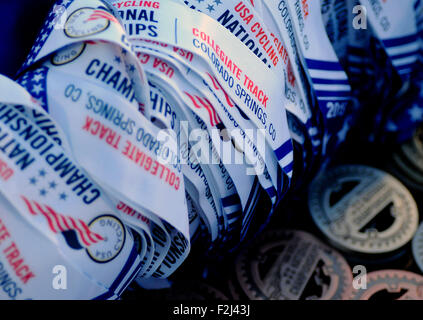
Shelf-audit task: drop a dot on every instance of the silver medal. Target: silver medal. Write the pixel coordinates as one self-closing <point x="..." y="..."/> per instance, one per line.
<point x="414" y="149"/>
<point x="417" y="247"/>
<point x="363" y="209"/>
<point x="293" y="265"/>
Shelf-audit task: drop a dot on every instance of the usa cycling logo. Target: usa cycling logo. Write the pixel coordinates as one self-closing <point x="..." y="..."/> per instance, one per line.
<point x="103" y="238"/>
<point x="88" y="21"/>
<point x="68" y="54"/>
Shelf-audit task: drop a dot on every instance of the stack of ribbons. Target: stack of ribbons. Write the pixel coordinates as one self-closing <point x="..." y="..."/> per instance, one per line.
<point x="137" y="128"/>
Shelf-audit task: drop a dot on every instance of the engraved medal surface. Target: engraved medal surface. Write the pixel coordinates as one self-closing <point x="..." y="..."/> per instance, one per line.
<point x="391" y="285"/>
<point x="417" y="247"/>
<point x="363" y="209"/>
<point x="293" y="265"/>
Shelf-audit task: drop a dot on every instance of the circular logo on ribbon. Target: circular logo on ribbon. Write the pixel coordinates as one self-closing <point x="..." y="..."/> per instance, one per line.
<point x="87" y="21"/>
<point x="113" y="232"/>
<point x="68" y="54"/>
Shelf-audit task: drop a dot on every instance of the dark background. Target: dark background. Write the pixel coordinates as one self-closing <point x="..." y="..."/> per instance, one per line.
<point x="20" y="21"/>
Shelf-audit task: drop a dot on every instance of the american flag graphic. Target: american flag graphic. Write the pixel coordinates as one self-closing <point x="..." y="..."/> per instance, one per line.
<point x="35" y="82"/>
<point x="44" y="34"/>
<point x="218" y="87"/>
<point x="76" y="232"/>
<point x="205" y="103"/>
<point x="101" y="14"/>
